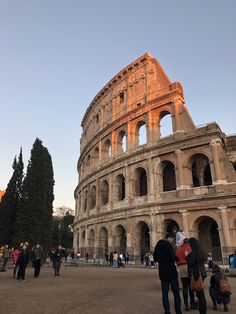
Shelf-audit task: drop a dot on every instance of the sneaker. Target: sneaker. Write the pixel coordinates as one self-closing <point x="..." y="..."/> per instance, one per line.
<point x="226" y="309"/>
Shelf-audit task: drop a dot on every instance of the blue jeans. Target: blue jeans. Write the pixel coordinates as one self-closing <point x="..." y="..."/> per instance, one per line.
<point x="165" y="291"/>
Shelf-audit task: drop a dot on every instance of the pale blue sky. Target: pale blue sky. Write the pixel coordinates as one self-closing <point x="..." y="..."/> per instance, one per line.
<point x="56" y="55"/>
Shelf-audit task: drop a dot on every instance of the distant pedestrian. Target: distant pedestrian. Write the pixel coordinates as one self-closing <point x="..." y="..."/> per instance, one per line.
<point x="165" y="256"/>
<point x="37" y="258"/>
<point x="15" y="258"/>
<point x="209" y="260"/>
<point x="23" y="261"/>
<point x="126" y="258"/>
<point x="86" y="257"/>
<point x="56" y="259"/>
<point x="5" y="256"/>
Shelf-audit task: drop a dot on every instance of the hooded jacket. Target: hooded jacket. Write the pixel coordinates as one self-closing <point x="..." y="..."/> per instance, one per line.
<point x="165" y="256"/>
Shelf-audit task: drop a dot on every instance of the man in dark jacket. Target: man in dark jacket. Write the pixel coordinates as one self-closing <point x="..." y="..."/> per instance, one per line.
<point x="165" y="256"/>
<point x="56" y="260"/>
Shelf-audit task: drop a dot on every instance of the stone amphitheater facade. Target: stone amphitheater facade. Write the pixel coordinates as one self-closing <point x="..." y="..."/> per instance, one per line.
<point x="135" y="185"/>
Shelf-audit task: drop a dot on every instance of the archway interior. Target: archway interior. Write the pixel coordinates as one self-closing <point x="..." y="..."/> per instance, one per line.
<point x="103" y="242"/>
<point x="141" y="182"/>
<point x="91" y="241"/>
<point x="209" y="238"/>
<point x="201" y="171"/>
<point x="120" y="187"/>
<point x="144" y="238"/>
<point x="120" y="239"/>
<point x="169" y="180"/>
<point x="166" y="128"/>
<point x="105" y="192"/>
<point x="93" y="196"/>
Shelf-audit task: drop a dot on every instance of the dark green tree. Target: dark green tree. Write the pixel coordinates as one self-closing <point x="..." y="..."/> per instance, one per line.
<point x="11" y="200"/>
<point x="34" y="219"/>
<point x="61" y="230"/>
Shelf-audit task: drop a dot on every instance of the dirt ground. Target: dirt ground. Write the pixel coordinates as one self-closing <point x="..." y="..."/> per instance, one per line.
<point x="88" y="290"/>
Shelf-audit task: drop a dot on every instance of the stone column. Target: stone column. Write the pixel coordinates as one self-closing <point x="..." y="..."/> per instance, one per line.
<point x="178" y="103"/>
<point x="179" y="153"/>
<point x="185" y="223"/>
<point x="215" y="152"/>
<point x="127" y="183"/>
<point x="130" y="136"/>
<point x="75" y="240"/>
<point x="225" y="227"/>
<point x="111" y="190"/>
<point x="113" y="144"/>
<point x="151" y="179"/>
<point x="97" y="196"/>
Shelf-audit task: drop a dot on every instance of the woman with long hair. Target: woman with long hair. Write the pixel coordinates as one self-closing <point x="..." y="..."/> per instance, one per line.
<point x="196" y="268"/>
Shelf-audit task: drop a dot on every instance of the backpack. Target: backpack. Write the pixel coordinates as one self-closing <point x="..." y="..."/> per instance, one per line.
<point x="224" y="286"/>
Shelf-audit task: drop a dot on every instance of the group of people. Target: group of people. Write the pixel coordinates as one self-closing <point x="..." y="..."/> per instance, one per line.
<point x="20" y="257"/>
<point x="189" y="257"/>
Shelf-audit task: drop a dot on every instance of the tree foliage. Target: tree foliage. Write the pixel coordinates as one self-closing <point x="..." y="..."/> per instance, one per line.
<point x="11" y="201"/>
<point x="61" y="231"/>
<point x="34" y="217"/>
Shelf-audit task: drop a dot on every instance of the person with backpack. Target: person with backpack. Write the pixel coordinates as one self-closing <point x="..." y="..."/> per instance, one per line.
<point x="219" y="288"/>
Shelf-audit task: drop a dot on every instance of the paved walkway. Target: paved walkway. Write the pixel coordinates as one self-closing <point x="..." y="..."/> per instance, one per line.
<point x="88" y="290"/>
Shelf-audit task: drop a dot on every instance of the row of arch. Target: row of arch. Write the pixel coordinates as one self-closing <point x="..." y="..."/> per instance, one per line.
<point x="139" y="136"/>
<point x="207" y="233"/>
<point x="201" y="176"/>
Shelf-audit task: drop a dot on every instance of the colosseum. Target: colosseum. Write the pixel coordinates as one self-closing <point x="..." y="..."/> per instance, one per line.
<point x="135" y="184"/>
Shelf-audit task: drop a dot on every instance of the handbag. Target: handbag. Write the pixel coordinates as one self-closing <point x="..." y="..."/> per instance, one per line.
<point x="197" y="285"/>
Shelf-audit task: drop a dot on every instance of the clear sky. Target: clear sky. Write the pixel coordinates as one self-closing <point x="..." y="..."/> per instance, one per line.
<point x="55" y="55"/>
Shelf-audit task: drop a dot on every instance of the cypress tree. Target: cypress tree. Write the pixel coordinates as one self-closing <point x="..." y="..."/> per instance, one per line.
<point x="34" y="219"/>
<point x="11" y="202"/>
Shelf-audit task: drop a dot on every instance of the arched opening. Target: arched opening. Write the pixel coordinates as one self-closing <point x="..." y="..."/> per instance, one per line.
<point x="234" y="165"/>
<point x="201" y="171"/>
<point x="103" y="242"/>
<point x="170" y="225"/>
<point x="141" y="133"/>
<point x="121" y="142"/>
<point x="120" y="187"/>
<point x="85" y="200"/>
<point x="169" y="179"/>
<point x="105" y="192"/>
<point x="120" y="239"/>
<point x="208" y="236"/>
<point x="141" y="182"/>
<point x="143" y="234"/>
<point x="91" y="241"/>
<point x="93" y="196"/>
<point x="95" y="156"/>
<point x="166" y="128"/>
<point x="107" y="150"/>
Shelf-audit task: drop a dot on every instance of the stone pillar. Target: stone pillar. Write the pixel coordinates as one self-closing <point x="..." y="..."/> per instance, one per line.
<point x="75" y="240"/>
<point x="100" y="151"/>
<point x="111" y="190"/>
<point x="127" y="183"/>
<point x="113" y="144"/>
<point x="97" y="196"/>
<point x="151" y="179"/>
<point x="215" y="152"/>
<point x="130" y="136"/>
<point x="153" y="127"/>
<point x="185" y="223"/>
<point x="178" y="103"/>
<point x="225" y="227"/>
<point x="179" y="153"/>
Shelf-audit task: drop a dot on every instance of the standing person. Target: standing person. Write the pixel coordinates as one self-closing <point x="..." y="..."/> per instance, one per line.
<point x="218" y="296"/>
<point x="15" y="258"/>
<point x="23" y="262"/>
<point x="195" y="260"/>
<point x="183" y="273"/>
<point x="179" y="236"/>
<point x="115" y="259"/>
<point x="126" y="258"/>
<point x="86" y="257"/>
<point x="111" y="258"/>
<point x="209" y="260"/>
<point x="56" y="259"/>
<point x="165" y="256"/>
<point x="6" y="256"/>
<point x="37" y="258"/>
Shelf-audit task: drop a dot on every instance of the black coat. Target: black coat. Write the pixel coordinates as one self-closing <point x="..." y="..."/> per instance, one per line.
<point x="24" y="258"/>
<point x="195" y="265"/>
<point x="165" y="256"/>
